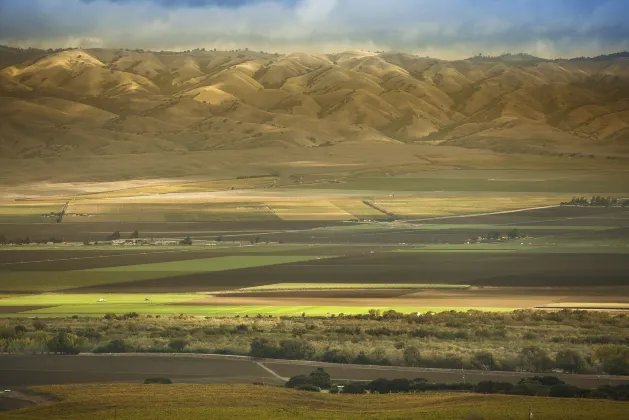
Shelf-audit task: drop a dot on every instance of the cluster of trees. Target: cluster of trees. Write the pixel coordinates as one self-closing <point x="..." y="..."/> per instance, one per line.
<point x="16" y="340"/>
<point x="498" y="236"/>
<point x="596" y="201"/>
<point x="27" y="240"/>
<point x="544" y="386"/>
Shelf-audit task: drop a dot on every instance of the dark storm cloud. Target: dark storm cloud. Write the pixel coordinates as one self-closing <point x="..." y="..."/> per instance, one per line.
<point x="445" y="28"/>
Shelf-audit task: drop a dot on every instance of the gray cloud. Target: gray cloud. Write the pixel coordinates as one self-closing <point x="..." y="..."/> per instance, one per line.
<point x="448" y="28"/>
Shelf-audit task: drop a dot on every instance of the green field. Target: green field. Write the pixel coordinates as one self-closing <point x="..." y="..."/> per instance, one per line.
<point x="488" y="181"/>
<point x="222" y="402"/>
<point x="45" y="281"/>
<point x="341" y="286"/>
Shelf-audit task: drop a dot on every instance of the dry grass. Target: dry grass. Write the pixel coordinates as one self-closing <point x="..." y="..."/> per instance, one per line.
<point x="183" y="402"/>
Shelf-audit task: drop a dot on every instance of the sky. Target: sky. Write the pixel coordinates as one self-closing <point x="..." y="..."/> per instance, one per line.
<point x="448" y="29"/>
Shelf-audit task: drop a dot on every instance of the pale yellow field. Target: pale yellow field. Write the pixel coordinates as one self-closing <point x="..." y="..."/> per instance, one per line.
<point x="308" y="210"/>
<point x="445" y="206"/>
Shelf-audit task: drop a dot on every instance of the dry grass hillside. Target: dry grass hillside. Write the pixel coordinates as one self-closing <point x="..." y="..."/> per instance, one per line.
<point x="97" y="103"/>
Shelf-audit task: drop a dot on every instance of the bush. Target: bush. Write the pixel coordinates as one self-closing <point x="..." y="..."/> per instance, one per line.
<point x="565" y="391"/>
<point x="20" y="330"/>
<point x="297" y="381"/>
<point x="412" y="356"/>
<point x="533" y="390"/>
<point x="263" y="347"/>
<point x="295" y="349"/>
<point x="39" y="325"/>
<point x="64" y="343"/>
<point x="115" y="346"/>
<point x="354" y="388"/>
<point x="319" y="378"/>
<point x="335" y="356"/>
<point x="178" y="345"/>
<point x="571" y="361"/>
<point x="535" y="359"/>
<point x="309" y="387"/>
<point x="485" y="360"/>
<point x="158" y="381"/>
<point x="493" y="387"/>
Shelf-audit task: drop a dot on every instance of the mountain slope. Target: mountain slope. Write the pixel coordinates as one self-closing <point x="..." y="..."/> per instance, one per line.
<point x="110" y="102"/>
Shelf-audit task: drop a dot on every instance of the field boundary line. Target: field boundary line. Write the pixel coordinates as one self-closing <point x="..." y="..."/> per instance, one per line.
<point x="483" y="214"/>
<point x="281" y="378"/>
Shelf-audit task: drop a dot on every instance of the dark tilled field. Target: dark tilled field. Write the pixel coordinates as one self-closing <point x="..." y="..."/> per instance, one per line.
<point x="47" y="370"/>
<point x="97" y="231"/>
<point x="18" y="309"/>
<point x="488" y="269"/>
<point x="80" y="260"/>
<point x="19" y="371"/>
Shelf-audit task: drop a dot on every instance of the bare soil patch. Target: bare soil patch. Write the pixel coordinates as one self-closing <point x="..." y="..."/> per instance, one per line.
<point x="480" y="269"/>
<point x="18" y="309"/>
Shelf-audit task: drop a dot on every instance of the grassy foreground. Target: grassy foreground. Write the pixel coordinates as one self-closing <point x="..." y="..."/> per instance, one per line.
<point x="183" y="402"/>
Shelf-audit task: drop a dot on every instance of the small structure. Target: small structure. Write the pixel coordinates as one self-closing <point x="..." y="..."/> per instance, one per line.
<point x="101" y="300"/>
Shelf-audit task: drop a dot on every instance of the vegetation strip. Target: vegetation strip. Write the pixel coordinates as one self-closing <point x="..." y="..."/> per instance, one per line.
<point x="333" y="286"/>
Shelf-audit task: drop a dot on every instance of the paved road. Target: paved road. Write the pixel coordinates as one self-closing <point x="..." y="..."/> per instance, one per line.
<point x="27" y="370"/>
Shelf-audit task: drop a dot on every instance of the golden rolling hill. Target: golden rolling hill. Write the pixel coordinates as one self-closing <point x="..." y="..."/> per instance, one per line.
<point x="114" y="103"/>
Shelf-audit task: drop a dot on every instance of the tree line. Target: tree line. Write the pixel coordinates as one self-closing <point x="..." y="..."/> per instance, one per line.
<point x="544" y="386"/>
<point x="596" y="201"/>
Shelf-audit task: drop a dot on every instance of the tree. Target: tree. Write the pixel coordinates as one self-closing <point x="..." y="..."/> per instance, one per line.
<point x="135" y="234"/>
<point x="535" y="359"/>
<point x="263" y="347"/>
<point x="296" y="349"/>
<point x="219" y="238"/>
<point x="187" y="241"/>
<point x="64" y="343"/>
<point x="3" y="239"/>
<point x="485" y="360"/>
<point x="571" y="361"/>
<point x="159" y="380"/>
<point x="320" y="378"/>
<point x="177" y="345"/>
<point x="412" y="356"/>
<point x="113" y="236"/>
<point x="513" y="234"/>
<point x="257" y="239"/>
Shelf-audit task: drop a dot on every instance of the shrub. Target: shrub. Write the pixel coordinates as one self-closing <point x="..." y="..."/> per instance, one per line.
<point x="39" y="325"/>
<point x="159" y="380"/>
<point x="262" y="347"/>
<point x="178" y="345"/>
<point x="20" y="329"/>
<point x="115" y="346"/>
<point x="309" y="387"/>
<point x="320" y="378"/>
<point x="493" y="387"/>
<point x="354" y="388"/>
<point x="64" y="343"/>
<point x="571" y="361"/>
<point x="412" y="356"/>
<point x="296" y="349"/>
<point x="485" y="360"/>
<point x="565" y="391"/>
<point x="297" y="381"/>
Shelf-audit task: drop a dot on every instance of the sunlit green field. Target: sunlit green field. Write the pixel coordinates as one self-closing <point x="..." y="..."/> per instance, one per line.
<point x="45" y="281"/>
